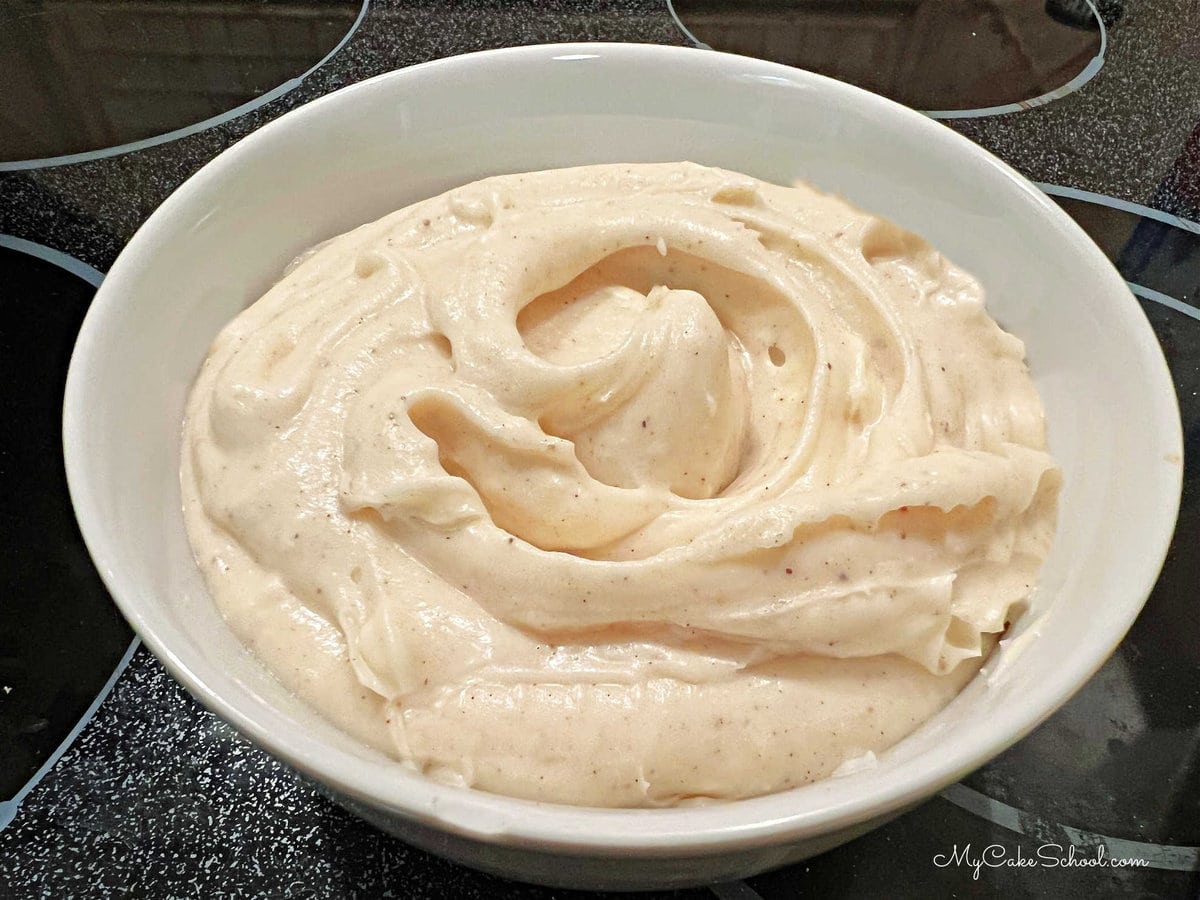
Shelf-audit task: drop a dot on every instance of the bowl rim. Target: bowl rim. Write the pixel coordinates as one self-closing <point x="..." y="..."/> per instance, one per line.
<point x="562" y="828"/>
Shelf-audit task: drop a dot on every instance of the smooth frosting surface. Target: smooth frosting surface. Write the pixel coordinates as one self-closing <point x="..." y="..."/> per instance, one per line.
<point x="621" y="485"/>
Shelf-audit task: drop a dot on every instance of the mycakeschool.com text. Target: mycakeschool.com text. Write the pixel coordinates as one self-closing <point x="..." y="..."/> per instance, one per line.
<point x="1047" y="856"/>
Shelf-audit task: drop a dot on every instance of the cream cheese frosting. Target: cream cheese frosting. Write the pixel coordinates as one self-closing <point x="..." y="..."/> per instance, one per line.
<point x="621" y="485"/>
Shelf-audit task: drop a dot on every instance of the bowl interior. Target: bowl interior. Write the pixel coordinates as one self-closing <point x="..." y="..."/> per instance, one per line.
<point x="226" y="235"/>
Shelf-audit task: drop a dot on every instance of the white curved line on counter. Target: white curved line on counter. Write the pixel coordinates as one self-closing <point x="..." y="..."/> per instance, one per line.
<point x="8" y="808"/>
<point x="211" y="122"/>
<point x="1089" y="72"/>
<point x="686" y="31"/>
<point x="1159" y="297"/>
<point x="734" y="890"/>
<point x="1138" y="209"/>
<point x="1156" y="856"/>
<point x="76" y="267"/>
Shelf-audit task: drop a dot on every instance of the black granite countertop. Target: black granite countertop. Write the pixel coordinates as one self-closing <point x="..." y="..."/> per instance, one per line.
<point x="112" y="778"/>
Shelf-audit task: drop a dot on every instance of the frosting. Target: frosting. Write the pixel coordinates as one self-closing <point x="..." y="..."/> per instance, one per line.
<point x="621" y="485"/>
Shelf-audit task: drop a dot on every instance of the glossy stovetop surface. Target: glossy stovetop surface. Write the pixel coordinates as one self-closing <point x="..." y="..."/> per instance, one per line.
<point x="106" y="106"/>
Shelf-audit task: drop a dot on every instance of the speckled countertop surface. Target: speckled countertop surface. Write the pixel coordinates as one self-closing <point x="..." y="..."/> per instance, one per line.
<point x="156" y="796"/>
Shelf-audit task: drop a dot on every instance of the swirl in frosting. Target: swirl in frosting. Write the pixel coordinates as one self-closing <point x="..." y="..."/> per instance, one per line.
<point x="621" y="485"/>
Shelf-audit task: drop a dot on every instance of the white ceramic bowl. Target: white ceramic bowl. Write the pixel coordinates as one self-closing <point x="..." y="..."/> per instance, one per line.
<point x="348" y="158"/>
